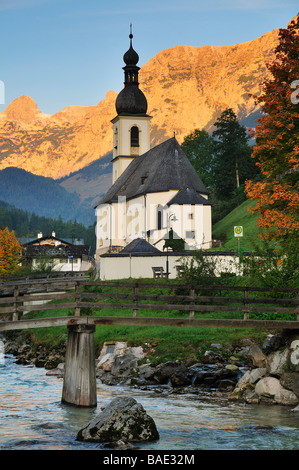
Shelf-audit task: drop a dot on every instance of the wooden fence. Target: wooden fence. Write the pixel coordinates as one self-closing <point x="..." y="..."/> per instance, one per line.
<point x="76" y="295"/>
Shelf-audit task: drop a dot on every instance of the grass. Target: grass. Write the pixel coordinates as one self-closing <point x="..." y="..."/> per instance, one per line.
<point x="239" y="216"/>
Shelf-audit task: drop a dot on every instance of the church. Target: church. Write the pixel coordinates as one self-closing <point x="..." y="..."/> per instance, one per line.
<point x="154" y="190"/>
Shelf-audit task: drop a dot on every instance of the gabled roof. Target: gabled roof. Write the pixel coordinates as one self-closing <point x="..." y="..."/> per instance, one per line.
<point x="139" y="245"/>
<point x="189" y="196"/>
<point x="59" y="251"/>
<point x="163" y="168"/>
<point x="44" y="238"/>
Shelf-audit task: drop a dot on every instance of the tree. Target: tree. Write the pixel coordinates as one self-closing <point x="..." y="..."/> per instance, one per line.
<point x="198" y="147"/>
<point x="232" y="163"/>
<point x="277" y="143"/>
<point x="10" y="252"/>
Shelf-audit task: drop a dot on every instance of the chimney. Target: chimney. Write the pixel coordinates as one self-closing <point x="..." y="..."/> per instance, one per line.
<point x="39" y="235"/>
<point x="53" y="234"/>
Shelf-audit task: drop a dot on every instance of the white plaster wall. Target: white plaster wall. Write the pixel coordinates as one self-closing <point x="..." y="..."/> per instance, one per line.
<point x="117" y="267"/>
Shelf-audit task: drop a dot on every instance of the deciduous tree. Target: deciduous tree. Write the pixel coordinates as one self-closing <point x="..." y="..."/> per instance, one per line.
<point x="10" y="252"/>
<point x="277" y="143"/>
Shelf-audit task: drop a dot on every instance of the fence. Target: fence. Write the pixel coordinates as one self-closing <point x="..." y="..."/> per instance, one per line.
<point x="138" y="298"/>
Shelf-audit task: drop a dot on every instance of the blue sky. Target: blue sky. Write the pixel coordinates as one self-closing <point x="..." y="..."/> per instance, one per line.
<point x="69" y="52"/>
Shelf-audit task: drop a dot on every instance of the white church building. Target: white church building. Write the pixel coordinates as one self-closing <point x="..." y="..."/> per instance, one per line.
<point x="153" y="189"/>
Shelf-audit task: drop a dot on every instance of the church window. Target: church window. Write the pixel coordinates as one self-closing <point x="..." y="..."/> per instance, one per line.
<point x="134" y="136"/>
<point x="116" y="138"/>
<point x="159" y="218"/>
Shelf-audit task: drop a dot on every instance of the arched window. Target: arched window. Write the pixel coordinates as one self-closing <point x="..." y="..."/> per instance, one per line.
<point x="159" y="217"/>
<point x="116" y="139"/>
<point x="134" y="136"/>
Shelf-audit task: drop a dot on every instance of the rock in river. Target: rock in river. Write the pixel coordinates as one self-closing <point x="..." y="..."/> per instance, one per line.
<point x="123" y="419"/>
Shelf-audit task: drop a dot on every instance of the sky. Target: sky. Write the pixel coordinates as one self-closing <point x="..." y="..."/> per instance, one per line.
<point x="70" y="52"/>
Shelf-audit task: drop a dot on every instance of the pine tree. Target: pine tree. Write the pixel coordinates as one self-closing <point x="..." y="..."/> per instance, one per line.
<point x="232" y="164"/>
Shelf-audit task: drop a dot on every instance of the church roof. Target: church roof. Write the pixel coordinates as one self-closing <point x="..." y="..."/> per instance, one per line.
<point x="188" y="196"/>
<point x="139" y="245"/>
<point x="163" y="168"/>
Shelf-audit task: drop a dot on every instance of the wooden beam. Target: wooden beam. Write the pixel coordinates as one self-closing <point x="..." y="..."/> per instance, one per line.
<point x="146" y="321"/>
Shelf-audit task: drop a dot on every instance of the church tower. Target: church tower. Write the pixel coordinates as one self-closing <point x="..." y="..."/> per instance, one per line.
<point x="131" y="126"/>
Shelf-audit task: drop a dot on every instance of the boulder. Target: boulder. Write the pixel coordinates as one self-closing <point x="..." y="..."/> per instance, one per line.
<point x="122" y="420"/>
<point x="268" y="387"/>
<point x="244" y="381"/>
<point x="290" y="380"/>
<point x="277" y="362"/>
<point x="257" y="374"/>
<point x="294" y="356"/>
<point x="124" y="365"/>
<point x="172" y="372"/>
<point x="272" y="343"/>
<point x="285" y="397"/>
<point x="255" y="355"/>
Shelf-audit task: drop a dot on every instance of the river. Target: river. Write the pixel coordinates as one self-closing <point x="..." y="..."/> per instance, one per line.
<point x="32" y="417"/>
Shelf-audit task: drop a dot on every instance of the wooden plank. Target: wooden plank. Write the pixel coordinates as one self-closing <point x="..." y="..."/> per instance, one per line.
<point x="198" y="308"/>
<point x="196" y="322"/>
<point x="49" y="296"/>
<point x="47" y="306"/>
<point x="143" y="321"/>
<point x="7" y="310"/>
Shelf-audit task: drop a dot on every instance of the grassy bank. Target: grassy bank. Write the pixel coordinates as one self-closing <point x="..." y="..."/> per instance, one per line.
<point x="224" y="229"/>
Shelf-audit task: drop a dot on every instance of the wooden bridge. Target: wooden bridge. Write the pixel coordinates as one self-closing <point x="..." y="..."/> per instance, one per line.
<point x="87" y="304"/>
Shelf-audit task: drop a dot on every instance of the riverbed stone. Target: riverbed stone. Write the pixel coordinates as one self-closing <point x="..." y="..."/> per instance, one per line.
<point x="123" y="419"/>
<point x="285" y="397"/>
<point x="277" y="362"/>
<point x="243" y="381"/>
<point x="124" y="365"/>
<point x="290" y="380"/>
<point x="268" y="387"/>
<point x="257" y="374"/>
<point x="256" y="355"/>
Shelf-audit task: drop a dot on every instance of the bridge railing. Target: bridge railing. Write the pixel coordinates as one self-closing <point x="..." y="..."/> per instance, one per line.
<point x="138" y="298"/>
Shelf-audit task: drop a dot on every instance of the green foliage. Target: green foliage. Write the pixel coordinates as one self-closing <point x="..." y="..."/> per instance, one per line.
<point x="199" y="147"/>
<point x="232" y="155"/>
<point x="274" y="268"/>
<point x="176" y="244"/>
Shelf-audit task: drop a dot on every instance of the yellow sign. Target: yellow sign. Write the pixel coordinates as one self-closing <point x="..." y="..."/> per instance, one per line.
<point x="238" y="231"/>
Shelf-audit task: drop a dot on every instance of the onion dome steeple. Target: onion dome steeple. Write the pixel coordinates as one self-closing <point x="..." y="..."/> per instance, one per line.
<point x="131" y="100"/>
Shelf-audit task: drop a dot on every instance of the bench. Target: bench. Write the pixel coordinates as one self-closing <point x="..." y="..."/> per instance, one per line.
<point x="158" y="271"/>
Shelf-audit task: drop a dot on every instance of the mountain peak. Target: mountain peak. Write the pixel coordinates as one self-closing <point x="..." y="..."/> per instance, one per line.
<point x="22" y="109"/>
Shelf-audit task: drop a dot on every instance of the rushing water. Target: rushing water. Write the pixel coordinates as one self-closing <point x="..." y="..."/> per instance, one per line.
<point x="32" y="417"/>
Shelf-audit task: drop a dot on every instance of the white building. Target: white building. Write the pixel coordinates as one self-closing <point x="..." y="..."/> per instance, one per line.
<point x="152" y="190"/>
<point x="56" y="253"/>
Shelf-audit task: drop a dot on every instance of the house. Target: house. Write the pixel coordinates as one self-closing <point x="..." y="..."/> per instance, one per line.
<point x="60" y="255"/>
<point x="153" y="189"/>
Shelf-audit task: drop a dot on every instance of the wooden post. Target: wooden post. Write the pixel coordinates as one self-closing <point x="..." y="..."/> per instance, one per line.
<point x="136" y="292"/>
<point x="192" y="312"/>
<point x="77" y="299"/>
<point x="246" y="312"/>
<point x="79" y="385"/>
<point x="15" y="315"/>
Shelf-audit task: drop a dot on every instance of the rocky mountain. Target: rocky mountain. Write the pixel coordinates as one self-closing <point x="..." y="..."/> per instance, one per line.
<point x="186" y="88"/>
